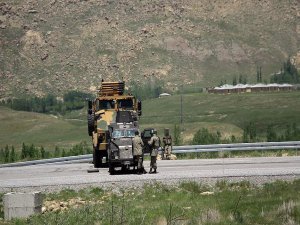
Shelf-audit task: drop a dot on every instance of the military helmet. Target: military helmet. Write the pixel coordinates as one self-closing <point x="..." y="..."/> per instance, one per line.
<point x="167" y="132"/>
<point x="154" y="131"/>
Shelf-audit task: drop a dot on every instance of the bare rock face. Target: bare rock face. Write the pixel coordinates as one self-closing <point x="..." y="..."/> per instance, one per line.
<point x="44" y="56"/>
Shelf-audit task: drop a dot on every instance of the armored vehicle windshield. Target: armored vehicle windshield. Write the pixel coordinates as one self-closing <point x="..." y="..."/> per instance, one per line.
<point x="128" y="133"/>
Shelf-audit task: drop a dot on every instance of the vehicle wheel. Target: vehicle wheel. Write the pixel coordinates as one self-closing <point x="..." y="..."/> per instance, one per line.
<point x="111" y="169"/>
<point x="91" y="123"/>
<point x="97" y="160"/>
<point x="124" y="168"/>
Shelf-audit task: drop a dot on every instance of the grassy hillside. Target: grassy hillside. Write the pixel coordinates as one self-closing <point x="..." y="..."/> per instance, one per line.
<point x="39" y="129"/>
<point x="228" y="114"/>
<point x="55" y="46"/>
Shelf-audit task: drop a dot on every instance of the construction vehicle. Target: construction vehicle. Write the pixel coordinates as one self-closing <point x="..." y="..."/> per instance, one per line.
<point x="111" y="106"/>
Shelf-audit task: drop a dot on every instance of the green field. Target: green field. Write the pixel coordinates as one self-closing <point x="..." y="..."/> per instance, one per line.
<point x="19" y="127"/>
<point x="190" y="203"/>
<point x="228" y="114"/>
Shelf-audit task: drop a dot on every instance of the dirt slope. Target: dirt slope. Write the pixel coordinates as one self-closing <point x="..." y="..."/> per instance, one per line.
<point x="57" y="45"/>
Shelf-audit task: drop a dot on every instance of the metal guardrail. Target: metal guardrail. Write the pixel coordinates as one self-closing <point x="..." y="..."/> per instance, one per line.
<point x="47" y="161"/>
<point x="237" y="147"/>
<point x="176" y="150"/>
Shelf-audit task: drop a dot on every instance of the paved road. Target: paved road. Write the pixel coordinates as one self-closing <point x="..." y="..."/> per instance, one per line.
<point x="55" y="177"/>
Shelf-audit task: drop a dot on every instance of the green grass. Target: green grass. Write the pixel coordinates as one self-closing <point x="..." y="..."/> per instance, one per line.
<point x="39" y="129"/>
<point x="228" y="114"/>
<point x="236" y="109"/>
<point x="224" y="203"/>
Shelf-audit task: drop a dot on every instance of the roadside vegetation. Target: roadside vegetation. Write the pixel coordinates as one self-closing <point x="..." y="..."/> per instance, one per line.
<point x="189" y="202"/>
<point x="206" y="119"/>
<point x="31" y="152"/>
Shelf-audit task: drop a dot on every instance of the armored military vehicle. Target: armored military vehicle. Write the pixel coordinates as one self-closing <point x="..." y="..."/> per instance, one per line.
<point x="111" y="106"/>
<point x="120" y="152"/>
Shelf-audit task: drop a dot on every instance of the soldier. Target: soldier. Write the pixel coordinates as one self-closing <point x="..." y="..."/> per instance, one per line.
<point x="167" y="141"/>
<point x="154" y="145"/>
<point x="137" y="145"/>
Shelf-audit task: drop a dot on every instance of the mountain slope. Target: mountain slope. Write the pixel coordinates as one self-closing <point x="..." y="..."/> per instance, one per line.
<point x="54" y="45"/>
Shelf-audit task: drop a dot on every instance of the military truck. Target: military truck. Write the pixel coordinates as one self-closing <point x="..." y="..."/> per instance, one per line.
<point x="111" y="106"/>
<point x="120" y="152"/>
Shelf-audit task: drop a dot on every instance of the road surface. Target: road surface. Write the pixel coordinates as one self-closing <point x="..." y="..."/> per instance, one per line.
<point x="52" y="177"/>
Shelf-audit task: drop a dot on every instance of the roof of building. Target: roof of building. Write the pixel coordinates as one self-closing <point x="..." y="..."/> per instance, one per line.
<point x="243" y="86"/>
<point x="164" y="94"/>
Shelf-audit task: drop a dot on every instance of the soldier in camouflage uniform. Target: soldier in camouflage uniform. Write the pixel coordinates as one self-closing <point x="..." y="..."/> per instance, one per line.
<point x="137" y="146"/>
<point x="167" y="142"/>
<point x="154" y="144"/>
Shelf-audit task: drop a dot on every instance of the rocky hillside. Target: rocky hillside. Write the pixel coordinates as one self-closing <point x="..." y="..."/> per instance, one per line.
<point x="58" y="45"/>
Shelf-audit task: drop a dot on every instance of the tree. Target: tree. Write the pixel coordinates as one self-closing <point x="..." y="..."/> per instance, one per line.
<point x="6" y="154"/>
<point x="13" y="156"/>
<point x="43" y="152"/>
<point x="63" y="154"/>
<point x="258" y="75"/>
<point x="1" y="155"/>
<point x="240" y="79"/>
<point x="24" y="151"/>
<point x="31" y="151"/>
<point x="288" y="74"/>
<point x="56" y="151"/>
<point x="149" y="89"/>
<point x="234" y="81"/>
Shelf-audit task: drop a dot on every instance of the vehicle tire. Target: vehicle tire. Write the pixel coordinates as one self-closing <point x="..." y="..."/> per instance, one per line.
<point x="111" y="169"/>
<point x="124" y="168"/>
<point x="97" y="159"/>
<point x="91" y="123"/>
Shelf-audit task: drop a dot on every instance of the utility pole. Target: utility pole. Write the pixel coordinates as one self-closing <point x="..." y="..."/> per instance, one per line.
<point x="181" y="106"/>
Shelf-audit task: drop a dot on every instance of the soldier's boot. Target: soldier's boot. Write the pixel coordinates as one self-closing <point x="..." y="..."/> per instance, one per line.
<point x="139" y="170"/>
<point x="154" y="171"/>
<point x="144" y="171"/>
<point x="150" y="170"/>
